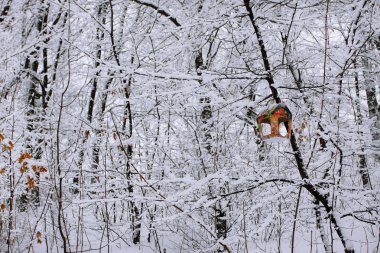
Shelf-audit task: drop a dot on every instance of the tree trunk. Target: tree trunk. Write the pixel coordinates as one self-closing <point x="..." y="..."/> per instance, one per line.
<point x="36" y="97"/>
<point x="373" y="104"/>
<point x="363" y="169"/>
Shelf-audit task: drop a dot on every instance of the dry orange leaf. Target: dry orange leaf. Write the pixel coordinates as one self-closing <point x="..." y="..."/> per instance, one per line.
<point x="30" y="182"/>
<point x="2" y="137"/>
<point x="8" y="147"/>
<point x="38" y="234"/>
<point x="2" y="171"/>
<point x="24" y="167"/>
<point x="41" y="169"/>
<point x="3" y="206"/>
<point x="24" y="156"/>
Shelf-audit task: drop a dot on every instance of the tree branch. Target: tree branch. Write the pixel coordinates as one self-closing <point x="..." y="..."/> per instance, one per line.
<point x="160" y="11"/>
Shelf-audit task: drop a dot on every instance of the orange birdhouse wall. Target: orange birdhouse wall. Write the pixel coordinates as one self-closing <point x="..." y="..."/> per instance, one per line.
<point x="274" y="116"/>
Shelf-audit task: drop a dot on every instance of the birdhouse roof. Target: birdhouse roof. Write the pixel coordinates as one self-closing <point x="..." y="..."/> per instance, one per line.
<point x="270" y="109"/>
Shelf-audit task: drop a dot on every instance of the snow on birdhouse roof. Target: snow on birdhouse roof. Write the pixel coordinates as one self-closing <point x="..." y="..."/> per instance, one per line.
<point x="272" y="107"/>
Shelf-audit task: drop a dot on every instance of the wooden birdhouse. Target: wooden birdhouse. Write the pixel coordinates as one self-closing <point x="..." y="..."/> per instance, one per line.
<point x="275" y="122"/>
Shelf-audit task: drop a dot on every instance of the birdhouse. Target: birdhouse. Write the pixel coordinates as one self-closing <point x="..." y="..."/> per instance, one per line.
<point x="275" y="121"/>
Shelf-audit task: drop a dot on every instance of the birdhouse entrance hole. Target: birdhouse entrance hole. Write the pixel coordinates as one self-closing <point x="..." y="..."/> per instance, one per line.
<point x="282" y="129"/>
<point x="265" y="128"/>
